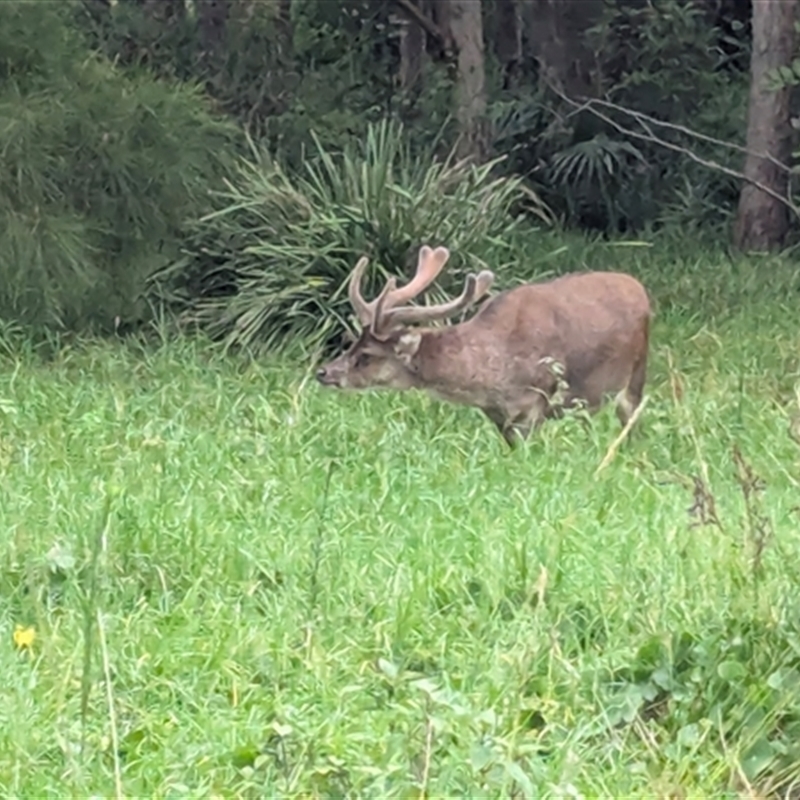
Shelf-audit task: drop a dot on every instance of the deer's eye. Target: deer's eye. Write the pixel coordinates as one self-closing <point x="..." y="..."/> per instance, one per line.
<point x="362" y="359"/>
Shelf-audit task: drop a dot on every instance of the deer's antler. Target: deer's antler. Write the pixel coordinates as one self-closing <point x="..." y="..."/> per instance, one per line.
<point x="387" y="310"/>
<point x="364" y="310"/>
<point x="474" y="288"/>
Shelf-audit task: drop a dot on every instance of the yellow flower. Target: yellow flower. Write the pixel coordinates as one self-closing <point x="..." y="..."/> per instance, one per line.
<point x="24" y="637"/>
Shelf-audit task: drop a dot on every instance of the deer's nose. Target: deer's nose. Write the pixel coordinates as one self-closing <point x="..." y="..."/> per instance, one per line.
<point x="321" y="374"/>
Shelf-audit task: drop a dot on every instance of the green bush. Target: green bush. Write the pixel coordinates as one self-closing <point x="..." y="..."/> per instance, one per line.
<point x="268" y="266"/>
<point x="100" y="171"/>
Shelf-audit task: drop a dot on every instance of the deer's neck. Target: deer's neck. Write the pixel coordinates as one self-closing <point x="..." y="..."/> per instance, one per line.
<point x="452" y="365"/>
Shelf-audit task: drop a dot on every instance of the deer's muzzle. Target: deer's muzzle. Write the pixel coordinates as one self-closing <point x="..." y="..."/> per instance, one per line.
<point x="328" y="377"/>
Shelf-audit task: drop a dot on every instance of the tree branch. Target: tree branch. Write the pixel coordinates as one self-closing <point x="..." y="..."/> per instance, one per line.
<point x="425" y="22"/>
<point x="642" y="118"/>
<point x="590" y="104"/>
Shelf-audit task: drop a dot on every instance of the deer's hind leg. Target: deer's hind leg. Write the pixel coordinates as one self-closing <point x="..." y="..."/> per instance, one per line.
<point x="630" y="398"/>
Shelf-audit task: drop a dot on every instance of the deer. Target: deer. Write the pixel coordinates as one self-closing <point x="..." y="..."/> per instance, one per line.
<point x="529" y="352"/>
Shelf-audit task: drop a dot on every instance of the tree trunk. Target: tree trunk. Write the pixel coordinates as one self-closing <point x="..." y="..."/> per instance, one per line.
<point x="212" y="18"/>
<point x="466" y="28"/>
<point x="508" y="40"/>
<point x="762" y="221"/>
<point x="412" y="50"/>
<point x="555" y="30"/>
<point x="441" y="16"/>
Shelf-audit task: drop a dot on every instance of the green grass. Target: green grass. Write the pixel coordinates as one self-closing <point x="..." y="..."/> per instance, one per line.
<point x="244" y="585"/>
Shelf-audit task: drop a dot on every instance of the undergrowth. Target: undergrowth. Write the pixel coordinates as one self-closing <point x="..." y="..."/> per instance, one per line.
<point x="217" y="578"/>
<point x="268" y="264"/>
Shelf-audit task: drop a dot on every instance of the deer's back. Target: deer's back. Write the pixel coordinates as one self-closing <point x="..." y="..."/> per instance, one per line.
<point x="572" y="312"/>
<point x="594" y="324"/>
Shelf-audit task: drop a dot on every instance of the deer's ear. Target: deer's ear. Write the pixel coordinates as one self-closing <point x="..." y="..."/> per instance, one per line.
<point x="406" y="346"/>
<point x="348" y="336"/>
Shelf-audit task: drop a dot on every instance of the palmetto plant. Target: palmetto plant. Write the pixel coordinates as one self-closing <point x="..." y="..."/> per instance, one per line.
<point x="268" y="266"/>
<point x="594" y="173"/>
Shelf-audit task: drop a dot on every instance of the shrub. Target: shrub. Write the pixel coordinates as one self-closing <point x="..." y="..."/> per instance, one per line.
<point x="100" y="171"/>
<point x="268" y="265"/>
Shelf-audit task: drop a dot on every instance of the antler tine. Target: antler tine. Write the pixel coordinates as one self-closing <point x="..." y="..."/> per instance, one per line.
<point x="363" y="309"/>
<point x="429" y="264"/>
<point x="373" y="314"/>
<point x="378" y="312"/>
<point x="474" y="288"/>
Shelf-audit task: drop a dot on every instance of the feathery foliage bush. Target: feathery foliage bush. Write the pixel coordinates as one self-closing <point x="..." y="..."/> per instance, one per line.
<point x="100" y="170"/>
<point x="268" y="266"/>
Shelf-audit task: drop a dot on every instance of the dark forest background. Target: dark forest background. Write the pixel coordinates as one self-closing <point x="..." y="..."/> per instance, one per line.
<point x="227" y="161"/>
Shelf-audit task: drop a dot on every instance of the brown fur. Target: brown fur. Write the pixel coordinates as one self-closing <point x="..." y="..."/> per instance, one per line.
<point x="528" y="352"/>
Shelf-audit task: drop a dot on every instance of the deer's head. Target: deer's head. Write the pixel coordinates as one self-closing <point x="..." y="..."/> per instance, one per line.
<point x="383" y="354"/>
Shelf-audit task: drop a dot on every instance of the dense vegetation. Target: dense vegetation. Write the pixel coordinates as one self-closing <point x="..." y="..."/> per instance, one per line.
<point x="124" y="153"/>
<point x="217" y="580"/>
<point x="268" y="265"/>
<point x="101" y="169"/>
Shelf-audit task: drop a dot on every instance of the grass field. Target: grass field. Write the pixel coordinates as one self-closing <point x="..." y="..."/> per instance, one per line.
<point x="239" y="584"/>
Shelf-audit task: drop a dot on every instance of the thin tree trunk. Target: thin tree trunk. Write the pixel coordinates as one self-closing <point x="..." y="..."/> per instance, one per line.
<point x="555" y="30"/>
<point x="762" y="221"/>
<point x="508" y="40"/>
<point x="442" y="16"/>
<point x="212" y="18"/>
<point x="466" y="27"/>
<point x="412" y="51"/>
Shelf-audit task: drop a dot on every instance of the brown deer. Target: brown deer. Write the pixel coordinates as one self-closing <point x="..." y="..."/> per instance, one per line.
<point x="528" y="353"/>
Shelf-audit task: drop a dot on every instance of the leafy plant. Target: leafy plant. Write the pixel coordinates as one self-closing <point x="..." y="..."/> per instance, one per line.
<point x="523" y="131"/>
<point x="663" y="56"/>
<point x="663" y="60"/>
<point x="684" y="686"/>
<point x="99" y="172"/>
<point x="282" y="70"/>
<point x="268" y="265"/>
<point x="597" y="172"/>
